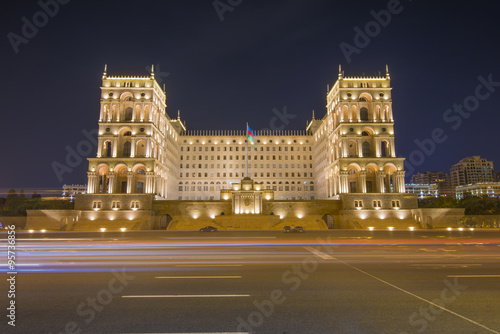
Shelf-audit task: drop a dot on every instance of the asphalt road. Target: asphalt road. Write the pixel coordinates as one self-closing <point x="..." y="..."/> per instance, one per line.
<point x="263" y="282"/>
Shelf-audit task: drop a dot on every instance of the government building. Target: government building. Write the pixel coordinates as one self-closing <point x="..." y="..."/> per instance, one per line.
<point x="151" y="172"/>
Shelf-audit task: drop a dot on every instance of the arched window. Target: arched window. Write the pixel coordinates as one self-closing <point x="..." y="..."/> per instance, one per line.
<point x="128" y="133"/>
<point x="128" y="114"/>
<point x="108" y="149"/>
<point x="365" y="133"/>
<point x="126" y="149"/>
<point x="363" y="114"/>
<point x="362" y="99"/>
<point x="366" y="149"/>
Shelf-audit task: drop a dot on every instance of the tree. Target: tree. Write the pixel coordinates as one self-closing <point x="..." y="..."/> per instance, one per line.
<point x="11" y="194"/>
<point x="21" y="194"/>
<point x="36" y="195"/>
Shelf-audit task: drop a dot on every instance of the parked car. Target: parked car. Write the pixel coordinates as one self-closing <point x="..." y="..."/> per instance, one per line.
<point x="208" y="229"/>
<point x="292" y="228"/>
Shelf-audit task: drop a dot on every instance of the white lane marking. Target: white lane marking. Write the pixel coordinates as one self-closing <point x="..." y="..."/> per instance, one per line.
<point x="319" y="254"/>
<point x="198" y="277"/>
<point x="446" y="264"/>
<point x="473" y="275"/>
<point x="183" y="296"/>
<point x="22" y="265"/>
<point x="316" y="252"/>
<point x="208" y="265"/>
<point x="240" y="238"/>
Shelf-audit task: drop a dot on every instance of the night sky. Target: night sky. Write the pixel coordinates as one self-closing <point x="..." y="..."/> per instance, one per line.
<point x="221" y="74"/>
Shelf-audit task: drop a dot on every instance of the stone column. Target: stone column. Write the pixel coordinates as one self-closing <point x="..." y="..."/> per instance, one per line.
<point x="395" y="183"/>
<point x="335" y="184"/>
<point x="149" y="182"/>
<point x="111" y="182"/>
<point x="148" y="148"/>
<point x="362" y="181"/>
<point x="377" y="147"/>
<point x="359" y="142"/>
<point x="387" y="182"/>
<point x="331" y="184"/>
<point x="392" y="149"/>
<point x="344" y="182"/>
<point x="100" y="144"/>
<point x="92" y="180"/>
<point x="115" y="147"/>
<point x="132" y="147"/>
<point x="400" y="177"/>
<point x="381" y="181"/>
<point x="130" y="182"/>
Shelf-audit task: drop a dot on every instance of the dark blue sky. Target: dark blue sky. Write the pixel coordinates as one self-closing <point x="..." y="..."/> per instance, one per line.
<point x="221" y="74"/>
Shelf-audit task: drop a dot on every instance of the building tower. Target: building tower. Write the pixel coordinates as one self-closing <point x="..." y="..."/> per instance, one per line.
<point x="471" y="170"/>
<point x="354" y="142"/>
<point x="137" y="141"/>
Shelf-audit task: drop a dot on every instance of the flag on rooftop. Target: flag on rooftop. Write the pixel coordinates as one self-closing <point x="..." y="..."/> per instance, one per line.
<point x="250" y="136"/>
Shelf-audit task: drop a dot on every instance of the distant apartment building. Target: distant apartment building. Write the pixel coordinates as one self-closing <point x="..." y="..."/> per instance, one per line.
<point x="492" y="189"/>
<point x="471" y="170"/>
<point x="441" y="179"/>
<point x="423" y="190"/>
<point x="497" y="176"/>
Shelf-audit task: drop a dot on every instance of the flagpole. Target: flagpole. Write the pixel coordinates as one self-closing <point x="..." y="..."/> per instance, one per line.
<point x="247" y="147"/>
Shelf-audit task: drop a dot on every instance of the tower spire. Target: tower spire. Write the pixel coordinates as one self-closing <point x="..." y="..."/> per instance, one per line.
<point x="313" y="115"/>
<point x="105" y="73"/>
<point x="340" y="71"/>
<point x="387" y="75"/>
<point x="178" y="114"/>
<point x="152" y="71"/>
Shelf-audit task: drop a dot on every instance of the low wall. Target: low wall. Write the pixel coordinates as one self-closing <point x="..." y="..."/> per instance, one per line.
<point x="196" y="214"/>
<point x="438" y="217"/>
<point x="51" y="219"/>
<point x="378" y="219"/>
<point x="188" y="214"/>
<point x="113" y="220"/>
<point x="19" y="222"/>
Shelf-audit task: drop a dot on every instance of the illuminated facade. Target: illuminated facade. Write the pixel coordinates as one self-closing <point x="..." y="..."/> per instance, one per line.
<point x="137" y="143"/>
<point x="151" y="172"/>
<point x="354" y="146"/>
<point x="471" y="170"/>
<point x="142" y="150"/>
